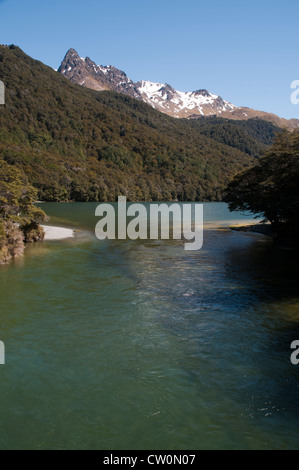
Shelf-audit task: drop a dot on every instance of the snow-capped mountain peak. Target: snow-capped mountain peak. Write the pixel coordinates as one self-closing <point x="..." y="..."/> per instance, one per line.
<point x="182" y="104"/>
<point x="160" y="96"/>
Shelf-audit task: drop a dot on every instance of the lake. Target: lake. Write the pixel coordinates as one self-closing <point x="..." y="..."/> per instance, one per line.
<point x="142" y="345"/>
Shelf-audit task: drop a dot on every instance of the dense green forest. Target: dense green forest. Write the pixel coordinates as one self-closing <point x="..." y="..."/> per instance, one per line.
<point x="251" y="137"/>
<point x="271" y="188"/>
<point x="78" y="144"/>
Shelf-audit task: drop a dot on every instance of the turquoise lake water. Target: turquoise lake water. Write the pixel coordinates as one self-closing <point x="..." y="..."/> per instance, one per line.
<point x="142" y="345"/>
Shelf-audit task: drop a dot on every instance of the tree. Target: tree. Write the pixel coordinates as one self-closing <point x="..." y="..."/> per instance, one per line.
<point x="271" y="188"/>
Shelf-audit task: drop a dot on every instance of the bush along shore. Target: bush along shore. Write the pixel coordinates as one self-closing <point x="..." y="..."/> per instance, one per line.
<point x="270" y="189"/>
<point x="19" y="218"/>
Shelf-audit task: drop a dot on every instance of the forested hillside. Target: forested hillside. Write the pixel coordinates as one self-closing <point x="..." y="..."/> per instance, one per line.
<point x="78" y="144"/>
<point x="251" y="136"/>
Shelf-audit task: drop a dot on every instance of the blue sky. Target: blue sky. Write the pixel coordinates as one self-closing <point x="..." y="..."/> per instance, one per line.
<point x="245" y="51"/>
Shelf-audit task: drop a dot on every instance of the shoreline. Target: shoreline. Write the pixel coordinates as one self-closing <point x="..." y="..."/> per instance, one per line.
<point x="262" y="229"/>
<point x="57" y="233"/>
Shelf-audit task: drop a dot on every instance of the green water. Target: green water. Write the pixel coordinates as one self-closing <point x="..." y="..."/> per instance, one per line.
<point x="142" y="345"/>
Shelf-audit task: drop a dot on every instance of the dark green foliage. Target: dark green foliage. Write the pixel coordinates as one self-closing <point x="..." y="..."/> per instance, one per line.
<point x="79" y="144"/>
<point x="17" y="197"/>
<point x="19" y="218"/>
<point x="271" y="188"/>
<point x="251" y="136"/>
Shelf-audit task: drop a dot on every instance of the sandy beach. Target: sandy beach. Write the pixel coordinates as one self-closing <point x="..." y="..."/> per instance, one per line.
<point x="57" y="233"/>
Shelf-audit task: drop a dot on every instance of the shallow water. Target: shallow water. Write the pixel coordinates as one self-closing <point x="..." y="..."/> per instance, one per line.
<point x="142" y="345"/>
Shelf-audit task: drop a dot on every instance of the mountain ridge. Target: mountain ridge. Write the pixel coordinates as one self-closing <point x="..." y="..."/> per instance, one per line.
<point x="163" y="97"/>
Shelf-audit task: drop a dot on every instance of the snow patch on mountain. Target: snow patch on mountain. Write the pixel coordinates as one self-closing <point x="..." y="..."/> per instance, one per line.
<point x="199" y="102"/>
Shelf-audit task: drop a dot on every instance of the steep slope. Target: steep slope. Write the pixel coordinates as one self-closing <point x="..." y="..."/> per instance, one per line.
<point x="96" y="77"/>
<point x="163" y="97"/>
<point x="77" y="144"/>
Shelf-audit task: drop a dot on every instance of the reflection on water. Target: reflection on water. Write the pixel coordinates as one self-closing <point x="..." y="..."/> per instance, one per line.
<point x="144" y="345"/>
